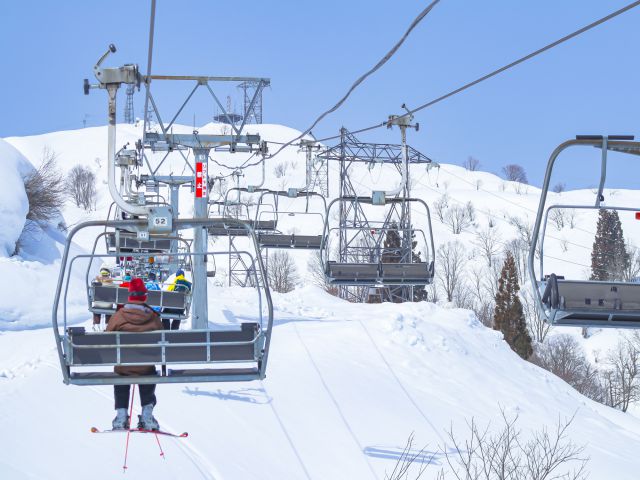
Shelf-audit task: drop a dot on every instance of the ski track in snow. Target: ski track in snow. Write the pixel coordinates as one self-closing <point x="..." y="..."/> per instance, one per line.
<point x="400" y="384"/>
<point x="334" y="401"/>
<point x="285" y="432"/>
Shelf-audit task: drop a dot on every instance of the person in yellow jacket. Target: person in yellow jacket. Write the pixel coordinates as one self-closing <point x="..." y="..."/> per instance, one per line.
<point x="179" y="284"/>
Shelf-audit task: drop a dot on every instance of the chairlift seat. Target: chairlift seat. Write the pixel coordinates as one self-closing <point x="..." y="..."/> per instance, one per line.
<point x="409" y="273"/>
<point x="228" y="231"/>
<point x="175" y="347"/>
<point x="265" y="225"/>
<point x="353" y="273"/>
<point x="128" y="243"/>
<point x="177" y="300"/>
<point x="309" y="242"/>
<point x="592" y="303"/>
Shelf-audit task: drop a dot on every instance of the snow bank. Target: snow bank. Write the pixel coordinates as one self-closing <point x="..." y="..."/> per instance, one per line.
<point x="13" y="199"/>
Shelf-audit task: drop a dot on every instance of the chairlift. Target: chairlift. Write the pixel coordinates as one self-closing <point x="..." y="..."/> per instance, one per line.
<point x="579" y="302"/>
<point x="214" y="354"/>
<point x="364" y="264"/>
<point x="271" y="217"/>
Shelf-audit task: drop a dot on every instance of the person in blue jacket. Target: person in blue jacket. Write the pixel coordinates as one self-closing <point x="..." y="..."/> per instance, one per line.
<point x="152" y="284"/>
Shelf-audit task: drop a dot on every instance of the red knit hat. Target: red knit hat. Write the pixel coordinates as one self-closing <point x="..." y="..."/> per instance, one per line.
<point x="137" y="291"/>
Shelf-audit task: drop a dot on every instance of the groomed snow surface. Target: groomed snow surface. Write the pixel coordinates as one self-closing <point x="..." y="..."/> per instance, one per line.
<point x="346" y="384"/>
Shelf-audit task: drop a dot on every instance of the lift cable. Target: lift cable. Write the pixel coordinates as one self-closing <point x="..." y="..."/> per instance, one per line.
<point x="499" y="70"/>
<point x="152" y="22"/>
<point x="504" y="199"/>
<point x="494" y="217"/>
<point x="382" y="61"/>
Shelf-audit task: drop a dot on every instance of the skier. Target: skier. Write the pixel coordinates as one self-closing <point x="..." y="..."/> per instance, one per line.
<point x="135" y="316"/>
<point x="104" y="279"/>
<point x="180" y="284"/>
<point x="152" y="284"/>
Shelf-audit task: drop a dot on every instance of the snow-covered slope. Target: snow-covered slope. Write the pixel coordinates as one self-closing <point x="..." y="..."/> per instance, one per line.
<point x="347" y="384"/>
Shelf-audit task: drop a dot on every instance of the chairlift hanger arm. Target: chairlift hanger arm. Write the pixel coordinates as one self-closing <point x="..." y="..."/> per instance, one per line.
<point x="201" y="141"/>
<point x="204" y="78"/>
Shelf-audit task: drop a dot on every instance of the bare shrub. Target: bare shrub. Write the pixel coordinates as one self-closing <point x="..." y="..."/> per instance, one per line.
<point x="45" y="188"/>
<point x="471" y="164"/>
<point x="280" y="170"/>
<point x="632" y="269"/>
<point x="441" y="205"/>
<point x="81" y="185"/>
<point x="460" y="217"/>
<point x="558" y="217"/>
<point x="515" y="173"/>
<point x="315" y="267"/>
<point x="621" y="377"/>
<point x="505" y="455"/>
<point x="523" y="227"/>
<point x="520" y="251"/>
<point x="489" y="243"/>
<point x="483" y="295"/>
<point x="559" y="187"/>
<point x="539" y="328"/>
<point x="563" y="356"/>
<point x="432" y="293"/>
<point x="571" y="217"/>
<point x="282" y="272"/>
<point x="450" y="260"/>
<point x="408" y="458"/>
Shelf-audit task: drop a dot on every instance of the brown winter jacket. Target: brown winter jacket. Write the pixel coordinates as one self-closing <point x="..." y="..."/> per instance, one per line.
<point x="134" y="318"/>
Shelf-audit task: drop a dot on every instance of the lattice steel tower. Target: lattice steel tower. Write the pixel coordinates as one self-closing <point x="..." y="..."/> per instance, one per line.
<point x="129" y="116"/>
<point x="252" y="99"/>
<point x="361" y="237"/>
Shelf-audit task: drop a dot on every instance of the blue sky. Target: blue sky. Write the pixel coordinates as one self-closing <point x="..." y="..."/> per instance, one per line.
<point x="313" y="51"/>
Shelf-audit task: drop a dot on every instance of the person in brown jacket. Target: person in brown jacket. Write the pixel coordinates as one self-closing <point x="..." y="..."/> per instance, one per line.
<point x="135" y="316"/>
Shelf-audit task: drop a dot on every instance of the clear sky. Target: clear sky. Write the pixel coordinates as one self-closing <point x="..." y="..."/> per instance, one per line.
<point x="313" y="51"/>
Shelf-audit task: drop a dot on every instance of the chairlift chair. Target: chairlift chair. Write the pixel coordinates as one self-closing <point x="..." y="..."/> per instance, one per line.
<point x="363" y="269"/>
<point x="583" y="303"/>
<point x="271" y="238"/>
<point x="214" y="354"/>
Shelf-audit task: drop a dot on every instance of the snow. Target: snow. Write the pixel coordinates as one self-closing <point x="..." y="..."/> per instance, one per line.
<point x="346" y="384"/>
<point x="13" y="199"/>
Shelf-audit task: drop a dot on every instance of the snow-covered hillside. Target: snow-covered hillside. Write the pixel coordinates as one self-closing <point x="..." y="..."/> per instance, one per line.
<point x="347" y="383"/>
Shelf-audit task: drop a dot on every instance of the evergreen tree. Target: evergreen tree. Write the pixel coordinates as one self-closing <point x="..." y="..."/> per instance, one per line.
<point x="609" y="257"/>
<point x="508" y="315"/>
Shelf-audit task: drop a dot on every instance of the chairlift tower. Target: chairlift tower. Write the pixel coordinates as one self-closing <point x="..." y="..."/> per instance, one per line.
<point x="317" y="168"/>
<point x="361" y="238"/>
<point x="129" y="116"/>
<point x="252" y="99"/>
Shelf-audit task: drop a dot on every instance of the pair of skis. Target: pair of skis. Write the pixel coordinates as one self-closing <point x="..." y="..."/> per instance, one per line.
<point x="141" y="430"/>
<point x="129" y="431"/>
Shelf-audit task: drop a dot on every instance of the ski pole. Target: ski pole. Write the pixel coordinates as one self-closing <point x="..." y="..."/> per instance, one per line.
<point x="160" y="446"/>
<point x="126" y="448"/>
